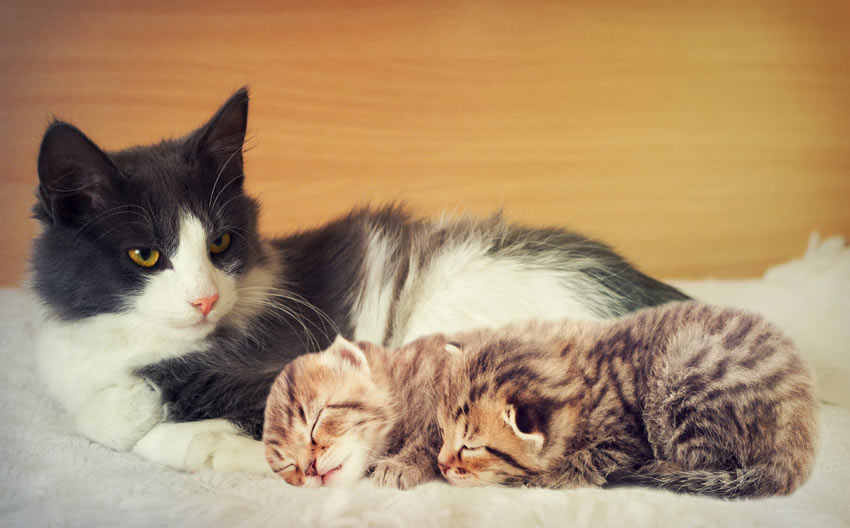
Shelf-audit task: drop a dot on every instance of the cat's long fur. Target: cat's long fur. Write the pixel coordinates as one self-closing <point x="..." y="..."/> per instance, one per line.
<point x="109" y="345"/>
<point x="684" y="396"/>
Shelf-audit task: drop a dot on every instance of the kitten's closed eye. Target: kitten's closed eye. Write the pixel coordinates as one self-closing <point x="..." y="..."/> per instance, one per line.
<point x="283" y="469"/>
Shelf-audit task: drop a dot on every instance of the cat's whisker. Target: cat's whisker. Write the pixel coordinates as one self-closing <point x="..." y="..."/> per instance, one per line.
<point x="290" y="296"/>
<point x="291" y="312"/>
<point x="224" y="206"/>
<point x="118" y="226"/>
<point x="218" y="176"/>
<point x="313" y="342"/>
<point x="231" y="230"/>
<point x="121" y="209"/>
<point x="224" y="187"/>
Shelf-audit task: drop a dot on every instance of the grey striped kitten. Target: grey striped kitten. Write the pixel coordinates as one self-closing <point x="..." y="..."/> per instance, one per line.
<point x="684" y="396"/>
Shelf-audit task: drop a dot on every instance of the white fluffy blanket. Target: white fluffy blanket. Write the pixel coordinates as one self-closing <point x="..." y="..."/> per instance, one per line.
<point x="51" y="477"/>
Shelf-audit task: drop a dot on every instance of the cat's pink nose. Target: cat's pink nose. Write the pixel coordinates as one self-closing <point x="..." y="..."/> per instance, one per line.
<point x="443" y="468"/>
<point x="205" y="304"/>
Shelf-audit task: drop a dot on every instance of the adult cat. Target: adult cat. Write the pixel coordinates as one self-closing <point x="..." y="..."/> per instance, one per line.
<point x="165" y="317"/>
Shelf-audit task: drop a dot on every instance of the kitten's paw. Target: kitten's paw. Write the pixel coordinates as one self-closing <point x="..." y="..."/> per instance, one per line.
<point x="119" y="415"/>
<point x="390" y="472"/>
<point x="226" y="451"/>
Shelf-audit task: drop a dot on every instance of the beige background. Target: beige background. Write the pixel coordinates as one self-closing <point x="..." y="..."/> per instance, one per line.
<point x="699" y="138"/>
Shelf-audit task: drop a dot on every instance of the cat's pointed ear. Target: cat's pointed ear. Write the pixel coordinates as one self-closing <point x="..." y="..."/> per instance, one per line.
<point x="347" y="354"/>
<point x="521" y="422"/>
<point x="221" y="140"/>
<point x="75" y="177"/>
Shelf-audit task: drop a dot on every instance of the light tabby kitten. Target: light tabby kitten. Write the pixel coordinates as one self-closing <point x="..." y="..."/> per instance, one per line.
<point x="334" y="415"/>
<point x="686" y="397"/>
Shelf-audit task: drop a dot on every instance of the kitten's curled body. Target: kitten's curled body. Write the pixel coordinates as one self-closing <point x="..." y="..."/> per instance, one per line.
<point x="684" y="396"/>
<point x="175" y="358"/>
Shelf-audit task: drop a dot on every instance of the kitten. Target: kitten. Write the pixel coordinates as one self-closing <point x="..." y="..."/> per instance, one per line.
<point x="165" y="316"/>
<point x="334" y="415"/>
<point x="684" y="397"/>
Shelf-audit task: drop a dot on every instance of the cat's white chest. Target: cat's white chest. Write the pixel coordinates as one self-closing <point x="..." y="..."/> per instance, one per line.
<point x="80" y="357"/>
<point x="88" y="366"/>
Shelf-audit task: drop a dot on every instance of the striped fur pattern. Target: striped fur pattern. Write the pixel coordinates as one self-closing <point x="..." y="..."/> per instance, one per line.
<point x="334" y="416"/>
<point x="685" y="396"/>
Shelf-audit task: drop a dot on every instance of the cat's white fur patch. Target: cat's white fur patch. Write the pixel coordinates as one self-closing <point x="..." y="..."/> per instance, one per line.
<point x="465" y="287"/>
<point x="372" y="308"/>
<point x="88" y="364"/>
<point x="169" y="294"/>
<point x="203" y="445"/>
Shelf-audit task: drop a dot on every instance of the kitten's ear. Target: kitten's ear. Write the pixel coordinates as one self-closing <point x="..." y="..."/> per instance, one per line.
<point x="453" y="347"/>
<point x="75" y="177"/>
<point x="349" y="354"/>
<point x="222" y="138"/>
<point x="520" y="420"/>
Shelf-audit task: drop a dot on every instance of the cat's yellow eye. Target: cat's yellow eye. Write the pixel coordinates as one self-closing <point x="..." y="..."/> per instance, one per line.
<point x="144" y="257"/>
<point x="220" y="244"/>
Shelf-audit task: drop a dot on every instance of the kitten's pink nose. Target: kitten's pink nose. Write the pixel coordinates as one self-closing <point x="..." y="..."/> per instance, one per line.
<point x="311" y="469"/>
<point x="205" y="304"/>
<point x="443" y="468"/>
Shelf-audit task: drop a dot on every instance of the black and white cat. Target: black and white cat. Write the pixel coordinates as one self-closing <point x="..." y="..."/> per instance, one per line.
<point x="165" y="317"/>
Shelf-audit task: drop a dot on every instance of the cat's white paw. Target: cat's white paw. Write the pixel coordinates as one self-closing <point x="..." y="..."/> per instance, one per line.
<point x="226" y="451"/>
<point x="393" y="473"/>
<point x="203" y="445"/>
<point x="120" y="414"/>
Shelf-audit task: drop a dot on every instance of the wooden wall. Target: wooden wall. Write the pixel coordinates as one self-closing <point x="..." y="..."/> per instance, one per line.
<point x="699" y="138"/>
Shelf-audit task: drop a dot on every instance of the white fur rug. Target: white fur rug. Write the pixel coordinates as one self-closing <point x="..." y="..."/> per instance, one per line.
<point x="50" y="477"/>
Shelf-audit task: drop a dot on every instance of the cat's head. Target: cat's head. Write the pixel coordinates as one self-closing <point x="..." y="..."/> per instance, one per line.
<point x="162" y="234"/>
<point x="326" y="418"/>
<point x="500" y="418"/>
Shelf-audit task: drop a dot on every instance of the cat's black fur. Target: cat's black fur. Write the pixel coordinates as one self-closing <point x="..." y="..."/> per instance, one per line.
<point x="74" y="268"/>
<point x="95" y="207"/>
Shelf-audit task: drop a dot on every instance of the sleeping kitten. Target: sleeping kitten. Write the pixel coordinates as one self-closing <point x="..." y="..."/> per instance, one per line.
<point x="334" y="415"/>
<point x="684" y="397"/>
<point x="165" y="316"/>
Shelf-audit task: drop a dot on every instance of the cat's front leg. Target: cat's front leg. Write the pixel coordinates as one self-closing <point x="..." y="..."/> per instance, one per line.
<point x="118" y="415"/>
<point x="216" y="445"/>
<point x="415" y="464"/>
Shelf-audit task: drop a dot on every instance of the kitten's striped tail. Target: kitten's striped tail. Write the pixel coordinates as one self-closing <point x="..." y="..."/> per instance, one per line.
<point x="732" y="483"/>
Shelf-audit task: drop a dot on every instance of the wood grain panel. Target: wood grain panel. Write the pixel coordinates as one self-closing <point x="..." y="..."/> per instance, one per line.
<point x="701" y="139"/>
